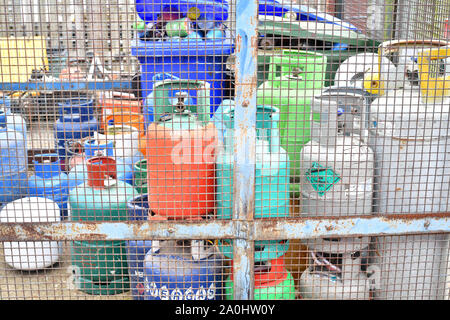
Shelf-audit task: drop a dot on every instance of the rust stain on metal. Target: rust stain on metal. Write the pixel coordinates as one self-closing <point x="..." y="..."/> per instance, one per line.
<point x="33" y="233"/>
<point x="91" y="236"/>
<point x="238" y="43"/>
<point x="7" y="232"/>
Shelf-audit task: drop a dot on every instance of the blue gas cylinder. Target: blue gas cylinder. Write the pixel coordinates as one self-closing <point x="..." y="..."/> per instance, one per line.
<point x="93" y="148"/>
<point x="76" y="121"/>
<point x="49" y="182"/>
<point x="13" y="163"/>
<point x="137" y="249"/>
<point x="5" y="103"/>
<point x="15" y="121"/>
<point x="183" y="270"/>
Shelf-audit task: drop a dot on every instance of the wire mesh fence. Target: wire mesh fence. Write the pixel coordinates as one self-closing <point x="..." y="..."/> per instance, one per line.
<point x="219" y="150"/>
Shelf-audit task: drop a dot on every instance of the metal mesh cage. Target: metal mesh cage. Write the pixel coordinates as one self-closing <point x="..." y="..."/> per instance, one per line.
<point x="224" y="150"/>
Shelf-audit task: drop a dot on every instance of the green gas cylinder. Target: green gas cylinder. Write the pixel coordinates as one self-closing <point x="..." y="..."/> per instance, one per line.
<point x="335" y="41"/>
<point x="100" y="266"/>
<point x="294" y="78"/>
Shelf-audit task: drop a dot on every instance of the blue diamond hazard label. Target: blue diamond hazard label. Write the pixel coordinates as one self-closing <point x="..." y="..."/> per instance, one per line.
<point x="321" y="178"/>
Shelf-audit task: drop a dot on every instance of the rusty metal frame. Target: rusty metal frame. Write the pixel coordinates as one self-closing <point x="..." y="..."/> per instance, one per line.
<point x="243" y="228"/>
<point x="258" y="229"/>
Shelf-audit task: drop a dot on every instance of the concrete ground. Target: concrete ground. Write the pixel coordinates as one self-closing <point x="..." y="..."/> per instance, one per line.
<point x="53" y="283"/>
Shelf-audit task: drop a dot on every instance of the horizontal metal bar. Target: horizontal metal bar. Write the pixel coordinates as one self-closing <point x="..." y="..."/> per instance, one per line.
<point x="356" y="226"/>
<point x="66" y="85"/>
<point x="116" y="230"/>
<point x="260" y="229"/>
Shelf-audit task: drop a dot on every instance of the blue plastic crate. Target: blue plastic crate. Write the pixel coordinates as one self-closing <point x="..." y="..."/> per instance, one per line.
<point x="193" y="59"/>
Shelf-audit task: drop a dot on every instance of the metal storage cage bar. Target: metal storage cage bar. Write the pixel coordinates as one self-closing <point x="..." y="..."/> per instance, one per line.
<point x="212" y="149"/>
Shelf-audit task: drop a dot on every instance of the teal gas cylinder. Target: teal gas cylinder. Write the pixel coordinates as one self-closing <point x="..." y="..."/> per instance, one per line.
<point x="272" y="164"/>
<point x="101" y="266"/>
<point x="271" y="174"/>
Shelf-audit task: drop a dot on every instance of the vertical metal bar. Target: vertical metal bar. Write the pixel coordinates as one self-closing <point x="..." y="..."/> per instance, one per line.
<point x="390" y="9"/>
<point x="245" y="139"/>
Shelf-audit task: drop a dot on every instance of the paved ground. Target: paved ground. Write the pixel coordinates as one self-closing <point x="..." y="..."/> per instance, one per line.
<point x="51" y="283"/>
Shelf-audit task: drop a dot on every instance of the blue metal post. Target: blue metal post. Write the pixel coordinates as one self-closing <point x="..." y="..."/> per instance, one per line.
<point x="245" y="140"/>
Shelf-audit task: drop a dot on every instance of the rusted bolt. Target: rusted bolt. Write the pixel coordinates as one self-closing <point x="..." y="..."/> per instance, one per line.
<point x="171" y="230"/>
<point x="245" y="104"/>
<point x="426" y="224"/>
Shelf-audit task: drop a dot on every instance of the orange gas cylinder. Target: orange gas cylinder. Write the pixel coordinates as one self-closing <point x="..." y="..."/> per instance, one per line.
<point x="181" y="148"/>
<point x="112" y="103"/>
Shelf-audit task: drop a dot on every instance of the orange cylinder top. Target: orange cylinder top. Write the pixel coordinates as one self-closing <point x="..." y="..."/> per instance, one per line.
<point x="180" y="166"/>
<point x="130" y="119"/>
<point x="118" y="103"/>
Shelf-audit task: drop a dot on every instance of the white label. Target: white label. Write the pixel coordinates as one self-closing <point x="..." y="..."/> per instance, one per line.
<point x="178" y="294"/>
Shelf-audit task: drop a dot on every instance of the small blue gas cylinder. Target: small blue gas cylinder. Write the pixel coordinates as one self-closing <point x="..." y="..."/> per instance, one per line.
<point x="13" y="163"/>
<point x="76" y="121"/>
<point x="137" y="249"/>
<point x="183" y="270"/>
<point x="49" y="182"/>
<point x="93" y="148"/>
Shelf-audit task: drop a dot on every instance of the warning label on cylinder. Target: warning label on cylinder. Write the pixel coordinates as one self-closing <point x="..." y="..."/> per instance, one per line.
<point x="321" y="178"/>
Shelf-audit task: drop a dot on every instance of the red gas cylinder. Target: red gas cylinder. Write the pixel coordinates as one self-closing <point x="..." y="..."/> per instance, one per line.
<point x="181" y="180"/>
<point x="181" y="148"/>
<point x="272" y="282"/>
